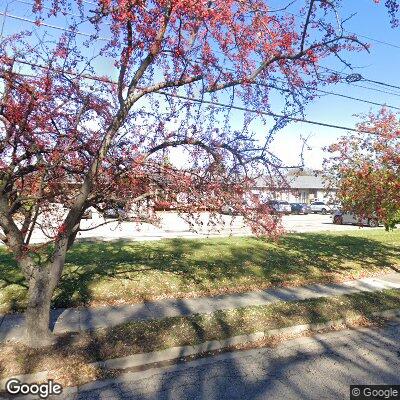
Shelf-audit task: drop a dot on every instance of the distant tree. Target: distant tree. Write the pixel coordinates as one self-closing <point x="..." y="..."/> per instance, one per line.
<point x="393" y="7"/>
<point x="365" y="166"/>
<point x="71" y="139"/>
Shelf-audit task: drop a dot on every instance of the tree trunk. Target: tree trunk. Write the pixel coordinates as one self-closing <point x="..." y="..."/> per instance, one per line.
<point x="41" y="287"/>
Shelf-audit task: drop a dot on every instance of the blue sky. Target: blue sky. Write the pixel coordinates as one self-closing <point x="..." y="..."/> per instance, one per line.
<point x="381" y="64"/>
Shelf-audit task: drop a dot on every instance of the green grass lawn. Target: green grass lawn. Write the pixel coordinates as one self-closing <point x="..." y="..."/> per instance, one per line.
<point x="127" y="272"/>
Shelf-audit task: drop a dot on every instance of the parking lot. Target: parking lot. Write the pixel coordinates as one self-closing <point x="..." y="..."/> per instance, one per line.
<point x="172" y="226"/>
<point x="314" y="223"/>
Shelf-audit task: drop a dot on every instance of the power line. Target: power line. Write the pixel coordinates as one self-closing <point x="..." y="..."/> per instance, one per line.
<point x="368" y="38"/>
<point x="374" y="40"/>
<point x="318" y="90"/>
<point x="375" y="89"/>
<point x="212" y="103"/>
<point x="380" y="83"/>
<point x="5" y="14"/>
<point x="287" y="12"/>
<point x="353" y="33"/>
<point x="3" y="22"/>
<point x="344" y="75"/>
<point x="344" y="96"/>
<point x="357" y="99"/>
<point x="267" y="113"/>
<point x="63" y="12"/>
<point x="91" y="3"/>
<point x="28" y="3"/>
<point x="356" y="77"/>
<point x="41" y="24"/>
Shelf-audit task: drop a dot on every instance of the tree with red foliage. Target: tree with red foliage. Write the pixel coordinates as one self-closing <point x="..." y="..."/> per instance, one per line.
<point x="365" y="167"/>
<point x="73" y="139"/>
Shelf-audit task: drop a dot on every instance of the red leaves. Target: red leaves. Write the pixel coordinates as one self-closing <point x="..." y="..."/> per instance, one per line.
<point x="312" y="56"/>
<point x="58" y="121"/>
<point x="38" y="5"/>
<point x="368" y="167"/>
<point x="61" y="52"/>
<point x="62" y="229"/>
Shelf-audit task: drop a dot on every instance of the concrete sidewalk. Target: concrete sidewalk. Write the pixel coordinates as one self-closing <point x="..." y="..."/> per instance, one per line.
<point x="83" y="319"/>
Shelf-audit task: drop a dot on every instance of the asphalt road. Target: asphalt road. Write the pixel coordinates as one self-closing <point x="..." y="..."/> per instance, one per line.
<point x="317" y="368"/>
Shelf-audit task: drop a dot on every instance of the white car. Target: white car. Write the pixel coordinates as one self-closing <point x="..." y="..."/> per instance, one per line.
<point x="320" y="207"/>
<point x="349" y="218"/>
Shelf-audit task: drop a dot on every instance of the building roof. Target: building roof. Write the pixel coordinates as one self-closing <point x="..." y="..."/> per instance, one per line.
<point x="306" y="182"/>
<point x="311" y="181"/>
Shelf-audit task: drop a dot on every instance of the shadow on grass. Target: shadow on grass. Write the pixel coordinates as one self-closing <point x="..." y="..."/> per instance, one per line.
<point x="101" y="272"/>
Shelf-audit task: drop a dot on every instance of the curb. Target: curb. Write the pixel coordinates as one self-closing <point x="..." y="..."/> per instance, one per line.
<point x="174" y="353"/>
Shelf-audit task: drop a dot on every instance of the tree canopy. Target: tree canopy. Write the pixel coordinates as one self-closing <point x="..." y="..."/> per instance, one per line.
<point x="366" y="168"/>
<point x="88" y="119"/>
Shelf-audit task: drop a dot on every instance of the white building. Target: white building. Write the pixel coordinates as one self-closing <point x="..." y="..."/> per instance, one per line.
<point x="303" y="188"/>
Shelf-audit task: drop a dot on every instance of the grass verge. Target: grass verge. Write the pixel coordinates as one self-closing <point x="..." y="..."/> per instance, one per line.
<point x="68" y="360"/>
<point x="129" y="272"/>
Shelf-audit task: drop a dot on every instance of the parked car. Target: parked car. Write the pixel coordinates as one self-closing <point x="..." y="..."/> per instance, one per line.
<point x="163" y="205"/>
<point x="115" y="213"/>
<point x="300" y="208"/>
<point x="279" y="206"/>
<point x="336" y="206"/>
<point x="229" y="210"/>
<point x="350" y="218"/>
<point x="320" y="207"/>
